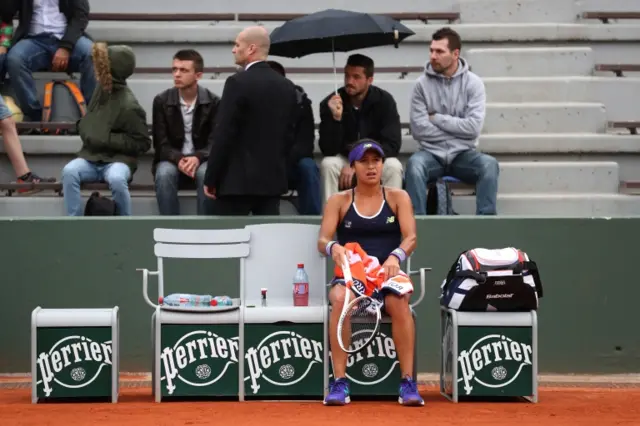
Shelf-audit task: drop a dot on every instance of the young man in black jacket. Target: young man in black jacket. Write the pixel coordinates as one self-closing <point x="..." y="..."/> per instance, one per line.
<point x="183" y="122"/>
<point x="47" y="39"/>
<point x="304" y="175"/>
<point x="360" y="110"/>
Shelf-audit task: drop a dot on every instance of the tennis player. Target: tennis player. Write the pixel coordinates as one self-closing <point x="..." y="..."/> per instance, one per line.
<point x="380" y="220"/>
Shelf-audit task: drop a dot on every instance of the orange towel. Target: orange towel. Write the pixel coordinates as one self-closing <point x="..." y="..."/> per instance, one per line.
<point x="368" y="274"/>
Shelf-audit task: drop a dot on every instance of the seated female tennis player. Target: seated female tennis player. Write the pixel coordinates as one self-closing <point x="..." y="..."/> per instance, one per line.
<point x="381" y="220"/>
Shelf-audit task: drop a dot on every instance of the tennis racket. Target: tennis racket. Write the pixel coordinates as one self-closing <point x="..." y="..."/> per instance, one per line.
<point x="360" y="318"/>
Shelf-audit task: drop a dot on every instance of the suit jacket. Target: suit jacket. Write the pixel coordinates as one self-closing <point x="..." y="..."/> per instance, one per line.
<point x="305" y="131"/>
<point x="76" y="12"/>
<point x="254" y="134"/>
<point x="168" y="126"/>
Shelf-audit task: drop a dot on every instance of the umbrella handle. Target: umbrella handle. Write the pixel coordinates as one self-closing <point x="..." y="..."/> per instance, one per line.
<point x="396" y="36"/>
<point x="335" y="72"/>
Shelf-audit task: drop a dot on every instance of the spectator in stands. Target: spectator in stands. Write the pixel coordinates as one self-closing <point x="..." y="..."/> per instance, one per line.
<point x="360" y="110"/>
<point x="6" y="34"/>
<point x="114" y="132"/>
<point x="14" y="149"/>
<point x="247" y="171"/>
<point x="447" y="115"/>
<point x="8" y="129"/>
<point x="304" y="175"/>
<point x="183" y="122"/>
<point x="50" y="37"/>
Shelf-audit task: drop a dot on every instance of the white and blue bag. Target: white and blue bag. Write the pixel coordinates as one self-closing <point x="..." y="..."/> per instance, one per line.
<point x="492" y="280"/>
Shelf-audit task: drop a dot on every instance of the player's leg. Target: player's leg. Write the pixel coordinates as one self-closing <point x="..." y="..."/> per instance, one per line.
<point x="339" y="389"/>
<point x="396" y="305"/>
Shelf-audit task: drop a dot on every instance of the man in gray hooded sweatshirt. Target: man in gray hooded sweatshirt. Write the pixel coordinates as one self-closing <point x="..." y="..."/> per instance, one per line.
<point x="446" y="117"/>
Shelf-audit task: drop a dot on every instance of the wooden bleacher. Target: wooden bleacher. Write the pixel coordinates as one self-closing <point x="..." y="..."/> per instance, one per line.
<point x="606" y="16"/>
<point x="402" y="71"/>
<point x="618" y="69"/>
<point x="630" y="187"/>
<point x="632" y="126"/>
<point x="418" y="16"/>
<point x="256" y="17"/>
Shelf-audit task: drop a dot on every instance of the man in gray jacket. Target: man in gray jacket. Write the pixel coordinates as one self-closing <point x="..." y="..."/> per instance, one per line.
<point x="446" y="117"/>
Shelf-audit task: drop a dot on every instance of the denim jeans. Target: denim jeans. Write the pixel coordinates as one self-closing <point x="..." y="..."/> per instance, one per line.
<point x="116" y="175"/>
<point x="471" y="167"/>
<point x="5" y="112"/>
<point x="168" y="180"/>
<point x="305" y="179"/>
<point x="36" y="54"/>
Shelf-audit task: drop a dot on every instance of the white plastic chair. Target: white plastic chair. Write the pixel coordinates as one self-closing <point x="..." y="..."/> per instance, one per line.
<point x="195" y="244"/>
<point x="276" y="250"/>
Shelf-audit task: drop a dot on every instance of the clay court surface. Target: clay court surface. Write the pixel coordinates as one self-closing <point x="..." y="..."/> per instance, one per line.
<point x="557" y="406"/>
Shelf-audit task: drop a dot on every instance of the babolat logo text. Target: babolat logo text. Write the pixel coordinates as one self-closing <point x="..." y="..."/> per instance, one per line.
<point x="498" y="359"/>
<point x="195" y="357"/>
<point x="373" y="364"/>
<point x="499" y="296"/>
<point x="282" y="358"/>
<point x="72" y="362"/>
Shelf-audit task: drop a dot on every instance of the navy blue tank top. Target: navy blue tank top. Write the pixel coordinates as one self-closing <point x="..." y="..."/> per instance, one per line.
<point x="378" y="235"/>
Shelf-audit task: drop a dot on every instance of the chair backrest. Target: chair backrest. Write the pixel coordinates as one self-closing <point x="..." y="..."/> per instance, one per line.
<point x="276" y="249"/>
<point x="199" y="244"/>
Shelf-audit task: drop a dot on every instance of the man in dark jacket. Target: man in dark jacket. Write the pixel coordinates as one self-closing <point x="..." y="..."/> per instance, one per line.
<point x="183" y="122"/>
<point x="254" y="133"/>
<point x="114" y="133"/>
<point x="50" y="37"/>
<point x="304" y="175"/>
<point x="360" y="110"/>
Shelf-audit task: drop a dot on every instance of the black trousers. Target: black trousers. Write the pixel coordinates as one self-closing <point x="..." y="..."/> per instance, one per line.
<point x="243" y="205"/>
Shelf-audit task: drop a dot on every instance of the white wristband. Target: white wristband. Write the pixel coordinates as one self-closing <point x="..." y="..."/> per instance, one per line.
<point x="329" y="246"/>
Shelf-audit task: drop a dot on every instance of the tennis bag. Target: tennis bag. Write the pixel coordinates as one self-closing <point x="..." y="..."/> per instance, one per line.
<point x="492" y="280"/>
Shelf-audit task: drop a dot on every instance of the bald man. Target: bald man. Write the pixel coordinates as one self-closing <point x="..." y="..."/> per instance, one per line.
<point x="254" y="132"/>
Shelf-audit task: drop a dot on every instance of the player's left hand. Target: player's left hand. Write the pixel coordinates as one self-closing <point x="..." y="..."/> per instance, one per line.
<point x="391" y="267"/>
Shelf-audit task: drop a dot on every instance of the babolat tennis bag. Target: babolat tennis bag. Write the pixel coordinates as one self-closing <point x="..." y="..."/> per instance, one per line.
<point x="492" y="280"/>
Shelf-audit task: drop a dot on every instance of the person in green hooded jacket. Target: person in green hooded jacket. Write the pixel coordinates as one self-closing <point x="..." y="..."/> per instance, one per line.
<point x="114" y="132"/>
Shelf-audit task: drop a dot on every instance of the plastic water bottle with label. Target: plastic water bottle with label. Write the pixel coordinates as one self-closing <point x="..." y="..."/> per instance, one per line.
<point x="194" y="300"/>
<point x="301" y="287"/>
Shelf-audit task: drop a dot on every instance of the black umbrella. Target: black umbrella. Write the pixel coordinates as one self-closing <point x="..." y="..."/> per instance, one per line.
<point x="335" y="30"/>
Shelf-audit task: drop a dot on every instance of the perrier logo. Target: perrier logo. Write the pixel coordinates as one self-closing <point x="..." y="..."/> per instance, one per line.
<point x="195" y="359"/>
<point x="283" y="358"/>
<point x="375" y="363"/>
<point x="493" y="361"/>
<point x="73" y="362"/>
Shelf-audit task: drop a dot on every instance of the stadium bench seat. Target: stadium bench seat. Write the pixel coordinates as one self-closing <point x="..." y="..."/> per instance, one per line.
<point x="618" y="69"/>
<point x="606" y="16"/>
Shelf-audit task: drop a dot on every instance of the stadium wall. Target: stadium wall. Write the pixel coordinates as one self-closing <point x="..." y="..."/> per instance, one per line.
<point x="587" y="320"/>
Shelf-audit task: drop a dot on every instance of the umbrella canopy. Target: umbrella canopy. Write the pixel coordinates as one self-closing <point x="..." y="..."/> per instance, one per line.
<point x="335" y="30"/>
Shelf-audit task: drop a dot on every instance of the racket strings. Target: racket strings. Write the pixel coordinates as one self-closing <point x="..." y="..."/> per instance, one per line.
<point x="362" y="320"/>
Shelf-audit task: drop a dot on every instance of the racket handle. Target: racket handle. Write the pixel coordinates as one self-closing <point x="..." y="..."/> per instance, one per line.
<point x="346" y="270"/>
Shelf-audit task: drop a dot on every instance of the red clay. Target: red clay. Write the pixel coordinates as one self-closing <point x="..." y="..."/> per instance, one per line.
<point x="557" y="406"/>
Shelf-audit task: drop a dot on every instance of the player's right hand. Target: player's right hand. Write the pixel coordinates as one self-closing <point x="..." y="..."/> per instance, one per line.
<point x="335" y="105"/>
<point x="338" y="254"/>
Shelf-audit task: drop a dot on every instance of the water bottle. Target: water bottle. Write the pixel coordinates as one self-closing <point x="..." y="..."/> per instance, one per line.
<point x="301" y="287"/>
<point x="197" y="300"/>
<point x="222" y="301"/>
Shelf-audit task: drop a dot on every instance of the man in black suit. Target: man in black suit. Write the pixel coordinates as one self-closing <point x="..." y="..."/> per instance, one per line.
<point x="254" y="132"/>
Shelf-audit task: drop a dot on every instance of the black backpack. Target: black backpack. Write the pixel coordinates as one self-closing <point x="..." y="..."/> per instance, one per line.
<point x="97" y="205"/>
